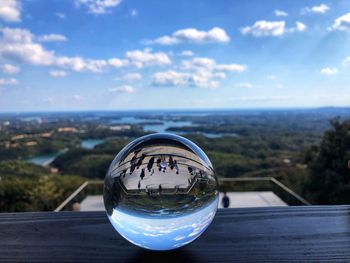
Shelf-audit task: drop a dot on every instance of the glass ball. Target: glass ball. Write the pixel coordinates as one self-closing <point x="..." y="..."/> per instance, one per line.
<point x="161" y="192"/>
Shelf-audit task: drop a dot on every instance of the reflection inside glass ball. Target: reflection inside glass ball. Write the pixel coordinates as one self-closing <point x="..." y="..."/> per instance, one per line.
<point x="160" y="192"/>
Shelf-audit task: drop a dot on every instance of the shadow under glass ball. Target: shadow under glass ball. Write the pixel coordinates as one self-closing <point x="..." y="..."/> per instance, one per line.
<point x="161" y="192"/>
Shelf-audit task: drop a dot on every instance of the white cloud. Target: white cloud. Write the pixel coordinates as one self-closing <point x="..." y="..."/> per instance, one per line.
<point x="98" y="6"/>
<point x="132" y="77"/>
<point x="300" y="27"/>
<point x="321" y="9"/>
<point x="186" y="53"/>
<point x="265" y="28"/>
<point x="279" y="86"/>
<point x="193" y="35"/>
<point x="60" y="15"/>
<point x="346" y="61"/>
<point x="329" y="71"/>
<point x="164" y="40"/>
<point x="280" y="13"/>
<point x="244" y="85"/>
<point x="9" y="69"/>
<point x="271" y="28"/>
<point x="14" y="35"/>
<point x="318" y="9"/>
<point x="122" y="89"/>
<point x="19" y="45"/>
<point x="58" y="73"/>
<point x="52" y="38"/>
<point x="203" y="79"/>
<point x="198" y="63"/>
<point x="80" y="64"/>
<point x="117" y="63"/>
<point x="141" y="58"/>
<point x="342" y="23"/>
<point x="201" y="63"/>
<point x="10" y="10"/>
<point x="170" y="78"/>
<point x="219" y="75"/>
<point x="7" y="82"/>
<point x="231" y="67"/>
<point x="134" y="13"/>
<point x="216" y="34"/>
<point x="198" y="72"/>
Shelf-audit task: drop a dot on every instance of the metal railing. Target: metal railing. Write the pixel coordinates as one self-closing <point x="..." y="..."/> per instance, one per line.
<point x="283" y="189"/>
<point x="268" y="179"/>
<point x="76" y="193"/>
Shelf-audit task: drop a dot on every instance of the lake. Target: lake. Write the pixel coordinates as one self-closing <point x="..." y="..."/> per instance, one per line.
<point x="91" y="143"/>
<point x="163" y="125"/>
<point x="45" y="159"/>
<point x="160" y="126"/>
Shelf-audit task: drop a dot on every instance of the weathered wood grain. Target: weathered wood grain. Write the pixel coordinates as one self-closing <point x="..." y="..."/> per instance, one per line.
<point x="284" y="234"/>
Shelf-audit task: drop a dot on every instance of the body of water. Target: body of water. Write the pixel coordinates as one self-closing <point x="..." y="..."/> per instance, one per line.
<point x="91" y="143"/>
<point x="45" y="159"/>
<point x="158" y="126"/>
<point x="163" y="125"/>
<point x="218" y="135"/>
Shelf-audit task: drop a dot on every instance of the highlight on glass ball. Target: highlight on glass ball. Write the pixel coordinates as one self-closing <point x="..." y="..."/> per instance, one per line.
<point x="161" y="192"/>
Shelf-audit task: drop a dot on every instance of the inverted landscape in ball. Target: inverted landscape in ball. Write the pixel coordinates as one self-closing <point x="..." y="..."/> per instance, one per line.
<point x="160" y="192"/>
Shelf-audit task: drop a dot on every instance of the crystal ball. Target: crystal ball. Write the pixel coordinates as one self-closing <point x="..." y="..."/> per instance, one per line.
<point x="161" y="192"/>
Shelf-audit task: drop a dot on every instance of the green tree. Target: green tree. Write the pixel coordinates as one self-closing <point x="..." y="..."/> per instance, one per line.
<point x="329" y="181"/>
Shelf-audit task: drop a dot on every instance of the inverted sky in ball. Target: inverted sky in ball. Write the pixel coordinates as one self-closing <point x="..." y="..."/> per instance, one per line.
<point x="160" y="192"/>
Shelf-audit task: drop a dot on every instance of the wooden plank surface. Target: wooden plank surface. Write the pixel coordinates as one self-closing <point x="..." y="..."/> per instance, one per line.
<point x="280" y="234"/>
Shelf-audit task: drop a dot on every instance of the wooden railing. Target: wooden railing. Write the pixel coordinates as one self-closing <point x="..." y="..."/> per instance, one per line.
<point x="265" y="234"/>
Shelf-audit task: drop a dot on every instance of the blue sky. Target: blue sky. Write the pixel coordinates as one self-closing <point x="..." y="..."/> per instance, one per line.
<point x="121" y="55"/>
<point x="165" y="232"/>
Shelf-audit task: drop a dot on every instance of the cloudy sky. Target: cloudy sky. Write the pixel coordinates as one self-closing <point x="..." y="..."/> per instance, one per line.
<point x="129" y="54"/>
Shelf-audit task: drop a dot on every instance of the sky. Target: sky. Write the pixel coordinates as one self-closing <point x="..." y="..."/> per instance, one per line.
<point x="64" y="55"/>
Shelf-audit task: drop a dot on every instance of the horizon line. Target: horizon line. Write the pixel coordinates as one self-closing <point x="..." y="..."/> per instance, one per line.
<point x="176" y="110"/>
